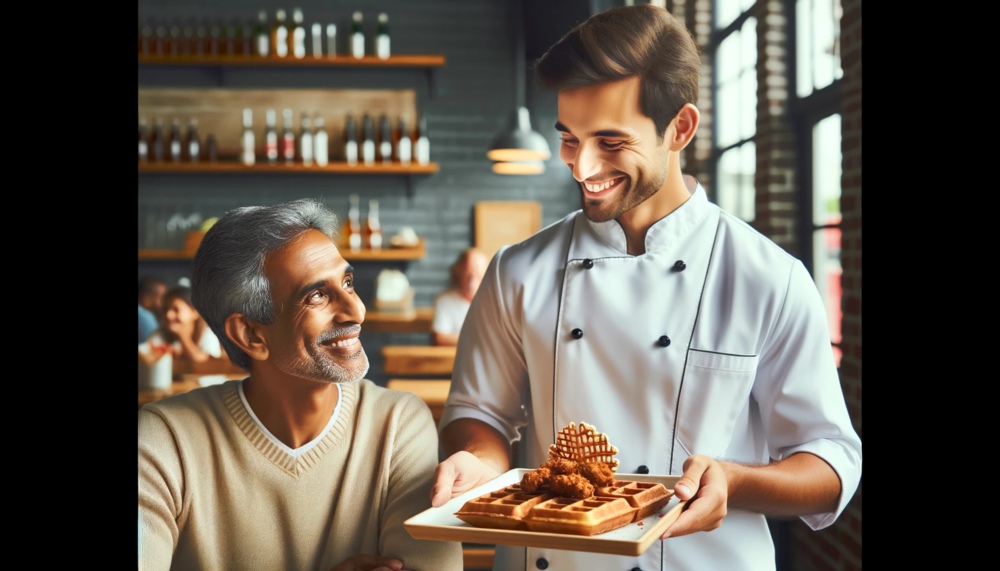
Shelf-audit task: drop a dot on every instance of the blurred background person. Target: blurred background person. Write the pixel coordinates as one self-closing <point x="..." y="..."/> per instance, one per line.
<point x="186" y="335"/>
<point x="151" y="290"/>
<point x="451" y="305"/>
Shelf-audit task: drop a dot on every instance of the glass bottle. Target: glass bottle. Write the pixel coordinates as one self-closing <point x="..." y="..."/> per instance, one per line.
<point x="357" y="36"/>
<point x="404" y="144"/>
<point x="297" y="35"/>
<point x="287" y="137"/>
<point x="271" y="137"/>
<point x="262" y="36"/>
<point x="279" y="34"/>
<point x="212" y="148"/>
<point x="176" y="143"/>
<point x="215" y="39"/>
<point x="354" y="224"/>
<point x="317" y="40"/>
<point x="382" y="37"/>
<point x="143" y="144"/>
<point x="157" y="147"/>
<point x="350" y="141"/>
<point x="368" y="140"/>
<point x="385" y="139"/>
<point x="423" y="146"/>
<point x="249" y="153"/>
<point x="175" y="39"/>
<point x="192" y="144"/>
<point x="373" y="227"/>
<point x="306" y="140"/>
<point x="331" y="40"/>
<point x="321" y="141"/>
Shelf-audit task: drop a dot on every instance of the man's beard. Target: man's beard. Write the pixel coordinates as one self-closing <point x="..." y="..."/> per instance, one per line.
<point x="635" y="193"/>
<point x="320" y="367"/>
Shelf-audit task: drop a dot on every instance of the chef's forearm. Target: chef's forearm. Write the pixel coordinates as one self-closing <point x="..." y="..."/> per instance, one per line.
<point x="479" y="439"/>
<point x="801" y="484"/>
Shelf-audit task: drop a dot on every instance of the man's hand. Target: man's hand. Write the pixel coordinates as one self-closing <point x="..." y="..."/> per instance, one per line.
<point x="458" y="474"/>
<point x="705" y="481"/>
<point x="362" y="562"/>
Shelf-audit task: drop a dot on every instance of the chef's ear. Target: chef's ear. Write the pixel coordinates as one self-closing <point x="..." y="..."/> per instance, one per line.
<point x="247" y="335"/>
<point x="683" y="127"/>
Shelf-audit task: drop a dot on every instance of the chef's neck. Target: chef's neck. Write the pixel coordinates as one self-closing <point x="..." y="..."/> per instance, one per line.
<point x="636" y="222"/>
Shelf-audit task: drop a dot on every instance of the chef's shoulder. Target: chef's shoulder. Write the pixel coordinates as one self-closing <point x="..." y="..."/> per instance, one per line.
<point x="537" y="252"/>
<point x="760" y="258"/>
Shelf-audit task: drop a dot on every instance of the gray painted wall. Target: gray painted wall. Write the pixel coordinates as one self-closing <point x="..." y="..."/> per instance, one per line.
<point x="474" y="94"/>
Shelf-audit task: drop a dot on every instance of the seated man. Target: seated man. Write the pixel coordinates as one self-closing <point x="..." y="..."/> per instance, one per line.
<point x="451" y="305"/>
<point x="151" y="292"/>
<point x="305" y="464"/>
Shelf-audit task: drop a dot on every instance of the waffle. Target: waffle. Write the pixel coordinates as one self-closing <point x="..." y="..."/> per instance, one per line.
<point x="502" y="509"/>
<point x="644" y="497"/>
<point x="590" y="516"/>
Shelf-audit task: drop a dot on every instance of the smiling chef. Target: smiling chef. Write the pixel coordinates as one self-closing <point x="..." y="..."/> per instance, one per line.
<point x="695" y="343"/>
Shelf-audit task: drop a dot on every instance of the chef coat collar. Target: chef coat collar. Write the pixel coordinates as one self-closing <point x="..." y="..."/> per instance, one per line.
<point x="665" y="231"/>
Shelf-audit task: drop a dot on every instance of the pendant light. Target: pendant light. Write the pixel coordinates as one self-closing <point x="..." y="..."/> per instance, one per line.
<point x="519" y="148"/>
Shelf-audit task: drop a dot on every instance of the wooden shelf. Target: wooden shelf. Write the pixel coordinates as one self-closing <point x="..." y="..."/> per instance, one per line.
<point x="385" y="255"/>
<point x="337" y="167"/>
<point x="417" y="321"/>
<point x="409" y="60"/>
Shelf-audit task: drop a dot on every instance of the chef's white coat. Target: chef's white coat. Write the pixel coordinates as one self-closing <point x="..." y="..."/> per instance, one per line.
<point x="714" y="341"/>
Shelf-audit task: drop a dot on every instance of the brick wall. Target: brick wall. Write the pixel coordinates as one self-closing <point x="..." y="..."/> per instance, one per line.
<point x="839" y="546"/>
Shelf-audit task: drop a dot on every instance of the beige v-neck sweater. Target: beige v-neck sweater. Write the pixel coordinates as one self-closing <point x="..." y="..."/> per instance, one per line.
<point x="215" y="493"/>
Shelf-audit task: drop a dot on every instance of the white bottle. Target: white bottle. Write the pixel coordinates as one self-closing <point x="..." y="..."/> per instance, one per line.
<point x="262" y="35"/>
<point x="331" y="40"/>
<point x="271" y="137"/>
<point x="350" y="141"/>
<point x="317" y="40"/>
<point x="249" y="153"/>
<point x="404" y="148"/>
<point x="357" y="37"/>
<point x="423" y="145"/>
<point x="382" y="37"/>
<point x="306" y="141"/>
<point x="368" y="140"/>
<point x="298" y="40"/>
<point x="279" y="36"/>
<point x="321" y="141"/>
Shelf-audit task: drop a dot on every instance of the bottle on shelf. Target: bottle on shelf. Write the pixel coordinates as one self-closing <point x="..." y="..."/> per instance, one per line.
<point x="385" y="139"/>
<point x="248" y="156"/>
<point x="160" y="45"/>
<point x="231" y="36"/>
<point x="143" y="144"/>
<point x="297" y="35"/>
<point x="373" y="227"/>
<point x="317" y="40"/>
<point x="214" y="39"/>
<point x="354" y="224"/>
<point x="157" y="146"/>
<point x="271" y="137"/>
<point x="321" y="141"/>
<point x="262" y="36"/>
<point x="279" y="34"/>
<point x="176" y="143"/>
<point x="357" y="36"/>
<point x="187" y="44"/>
<point x="175" y="39"/>
<point x="146" y="39"/>
<point x="350" y="141"/>
<point x="192" y="142"/>
<point x="423" y="146"/>
<point x="404" y="142"/>
<point x="246" y="44"/>
<point x="201" y="39"/>
<point x="287" y="137"/>
<point x="331" y="40"/>
<point x="367" y="140"/>
<point x="382" y="37"/>
<point x="306" y="140"/>
<point x="212" y="148"/>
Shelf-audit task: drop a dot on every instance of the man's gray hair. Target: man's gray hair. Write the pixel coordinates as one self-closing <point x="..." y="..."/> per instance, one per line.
<point x="227" y="274"/>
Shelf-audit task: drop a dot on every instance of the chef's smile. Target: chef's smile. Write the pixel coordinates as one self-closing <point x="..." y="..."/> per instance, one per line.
<point x="600" y="188"/>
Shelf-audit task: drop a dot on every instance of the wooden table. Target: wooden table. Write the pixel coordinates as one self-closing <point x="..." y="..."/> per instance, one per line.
<point x="418" y="360"/>
<point x="417" y="321"/>
<point x="185" y="384"/>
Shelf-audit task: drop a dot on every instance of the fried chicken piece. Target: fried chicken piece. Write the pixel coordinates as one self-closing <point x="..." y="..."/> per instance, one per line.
<point x="598" y="473"/>
<point x="571" y="486"/>
<point x="560" y="466"/>
<point x="535" y="480"/>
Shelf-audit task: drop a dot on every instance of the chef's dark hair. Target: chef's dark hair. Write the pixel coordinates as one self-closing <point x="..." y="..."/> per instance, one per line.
<point x="227" y="275"/>
<point x="643" y="41"/>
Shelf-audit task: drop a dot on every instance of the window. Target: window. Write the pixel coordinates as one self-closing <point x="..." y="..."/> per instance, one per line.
<point x="816" y="113"/>
<point x="735" y="102"/>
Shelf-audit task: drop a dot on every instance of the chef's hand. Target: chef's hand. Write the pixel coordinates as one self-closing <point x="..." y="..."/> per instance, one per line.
<point x="705" y="481"/>
<point x="458" y="474"/>
<point x="363" y="562"/>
